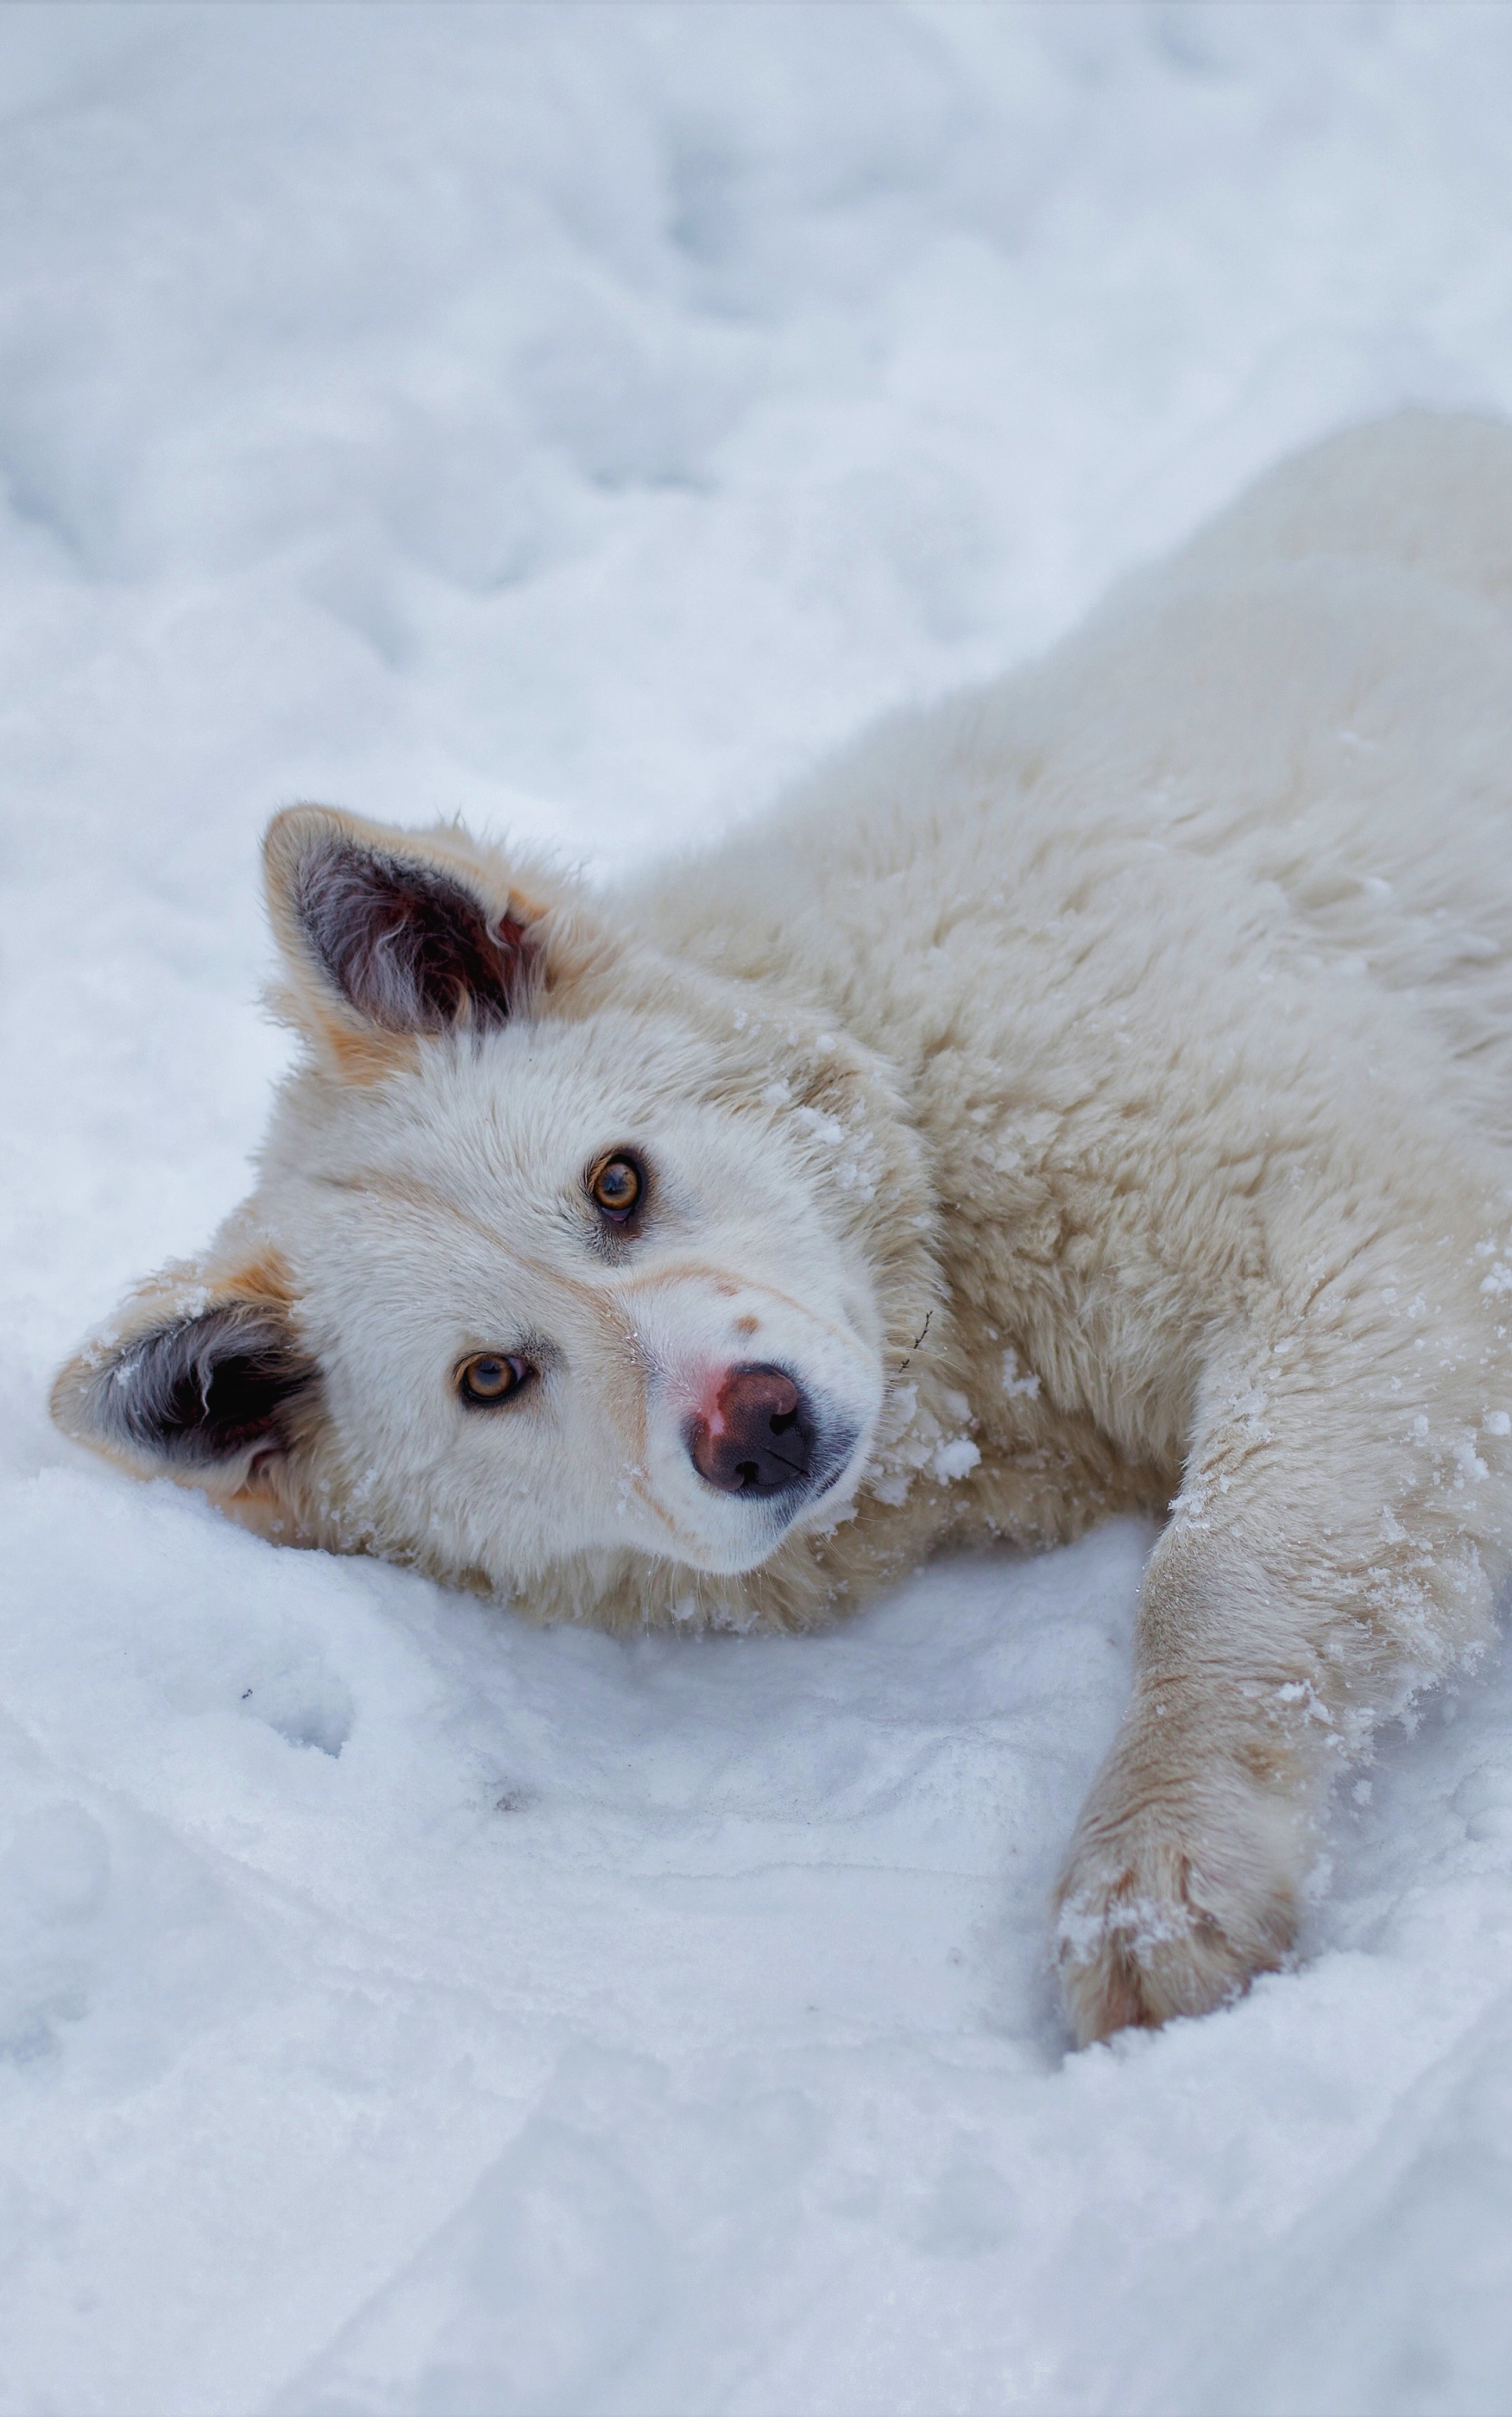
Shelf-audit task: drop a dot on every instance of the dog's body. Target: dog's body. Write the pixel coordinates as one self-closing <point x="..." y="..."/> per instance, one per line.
<point x="1093" y="1094"/>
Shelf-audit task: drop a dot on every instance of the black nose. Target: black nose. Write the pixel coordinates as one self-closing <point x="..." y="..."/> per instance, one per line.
<point x="761" y="1437"/>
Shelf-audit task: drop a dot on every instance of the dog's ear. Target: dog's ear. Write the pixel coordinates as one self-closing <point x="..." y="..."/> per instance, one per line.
<point x="388" y="934"/>
<point x="207" y="1383"/>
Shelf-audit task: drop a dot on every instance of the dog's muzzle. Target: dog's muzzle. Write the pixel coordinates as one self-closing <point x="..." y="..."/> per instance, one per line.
<point x="761" y="1437"/>
<point x="766" y="1441"/>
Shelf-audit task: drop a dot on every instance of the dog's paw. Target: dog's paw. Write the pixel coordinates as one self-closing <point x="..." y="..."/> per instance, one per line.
<point x="1149" y="1924"/>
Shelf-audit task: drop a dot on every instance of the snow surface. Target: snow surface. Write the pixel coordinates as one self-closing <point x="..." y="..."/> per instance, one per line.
<point x="580" y="419"/>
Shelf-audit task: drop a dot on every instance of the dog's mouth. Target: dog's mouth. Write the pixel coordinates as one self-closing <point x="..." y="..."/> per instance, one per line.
<point x="836" y="1460"/>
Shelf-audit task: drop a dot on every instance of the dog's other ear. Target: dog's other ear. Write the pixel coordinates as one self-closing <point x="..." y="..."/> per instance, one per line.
<point x="392" y="933"/>
<point x="208" y="1385"/>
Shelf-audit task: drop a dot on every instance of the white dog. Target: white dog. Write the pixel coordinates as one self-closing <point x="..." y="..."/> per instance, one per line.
<point x="1089" y="1094"/>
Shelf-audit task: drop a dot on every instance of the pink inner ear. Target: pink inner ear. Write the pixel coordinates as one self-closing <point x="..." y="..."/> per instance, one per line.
<point x="408" y="947"/>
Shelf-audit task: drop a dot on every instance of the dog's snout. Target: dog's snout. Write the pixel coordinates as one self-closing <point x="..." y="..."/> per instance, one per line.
<point x="759" y="1437"/>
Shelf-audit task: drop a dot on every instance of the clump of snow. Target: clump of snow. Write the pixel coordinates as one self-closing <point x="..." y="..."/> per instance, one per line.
<point x="956" y="1457"/>
<point x="1020" y="1384"/>
<point x="577" y="419"/>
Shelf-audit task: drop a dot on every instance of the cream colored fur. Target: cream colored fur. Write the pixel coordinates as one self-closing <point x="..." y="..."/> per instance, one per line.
<point x="1100" y="1089"/>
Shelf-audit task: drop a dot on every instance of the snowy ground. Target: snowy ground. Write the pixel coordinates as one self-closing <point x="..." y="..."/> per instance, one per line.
<point x="580" y="419"/>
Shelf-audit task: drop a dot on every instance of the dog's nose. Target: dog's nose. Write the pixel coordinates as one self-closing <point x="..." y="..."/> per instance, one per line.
<point x="759" y="1438"/>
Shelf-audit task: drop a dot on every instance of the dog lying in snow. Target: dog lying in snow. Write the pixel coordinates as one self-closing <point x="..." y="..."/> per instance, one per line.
<point x="1093" y="1094"/>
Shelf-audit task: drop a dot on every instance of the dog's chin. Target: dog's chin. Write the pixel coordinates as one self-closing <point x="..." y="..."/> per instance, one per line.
<point x="733" y="1558"/>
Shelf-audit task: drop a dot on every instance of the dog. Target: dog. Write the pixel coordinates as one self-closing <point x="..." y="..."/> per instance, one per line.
<point x="1089" y="1095"/>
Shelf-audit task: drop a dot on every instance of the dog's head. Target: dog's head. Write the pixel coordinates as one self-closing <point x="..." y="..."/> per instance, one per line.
<point x="560" y="1248"/>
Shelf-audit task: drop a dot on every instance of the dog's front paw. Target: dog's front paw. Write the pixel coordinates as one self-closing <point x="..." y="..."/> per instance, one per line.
<point x="1155" y="1918"/>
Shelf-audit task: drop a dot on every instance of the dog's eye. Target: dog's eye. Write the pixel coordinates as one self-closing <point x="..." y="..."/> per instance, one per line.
<point x="617" y="1185"/>
<point x="492" y="1376"/>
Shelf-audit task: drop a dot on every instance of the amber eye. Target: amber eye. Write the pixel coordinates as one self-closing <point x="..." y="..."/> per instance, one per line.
<point x="492" y="1376"/>
<point x="616" y="1184"/>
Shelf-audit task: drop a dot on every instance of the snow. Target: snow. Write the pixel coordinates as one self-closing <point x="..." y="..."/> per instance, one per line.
<point x="580" y="419"/>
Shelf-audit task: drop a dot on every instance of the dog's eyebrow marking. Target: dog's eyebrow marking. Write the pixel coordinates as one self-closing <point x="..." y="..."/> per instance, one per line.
<point x="696" y="1270"/>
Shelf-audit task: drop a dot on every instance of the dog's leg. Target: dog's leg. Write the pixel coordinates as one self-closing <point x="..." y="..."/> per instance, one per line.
<point x="1336" y="1541"/>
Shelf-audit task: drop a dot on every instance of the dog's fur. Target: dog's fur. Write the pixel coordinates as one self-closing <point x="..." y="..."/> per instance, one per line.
<point x="1096" y="1094"/>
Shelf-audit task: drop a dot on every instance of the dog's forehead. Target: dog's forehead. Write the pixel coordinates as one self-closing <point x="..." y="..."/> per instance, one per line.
<point x="530" y="1100"/>
<point x="538" y="1086"/>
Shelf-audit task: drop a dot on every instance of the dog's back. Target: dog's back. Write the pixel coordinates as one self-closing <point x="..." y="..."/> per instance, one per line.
<point x="1297" y="730"/>
<point x="1424" y="490"/>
